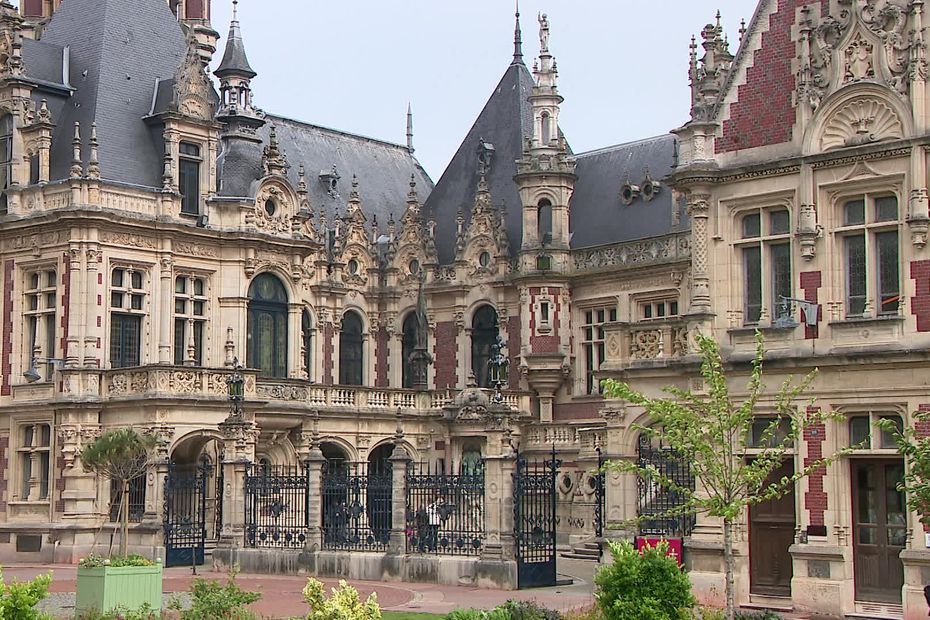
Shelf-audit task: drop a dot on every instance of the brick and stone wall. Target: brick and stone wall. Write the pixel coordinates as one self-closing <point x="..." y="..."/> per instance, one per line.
<point x="444" y="354"/>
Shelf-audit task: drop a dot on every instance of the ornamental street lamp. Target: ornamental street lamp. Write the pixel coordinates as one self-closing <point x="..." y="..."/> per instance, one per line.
<point x="498" y="367"/>
<point x="235" y="385"/>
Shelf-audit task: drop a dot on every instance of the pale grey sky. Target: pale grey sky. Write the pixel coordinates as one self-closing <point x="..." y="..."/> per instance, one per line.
<point x="354" y="64"/>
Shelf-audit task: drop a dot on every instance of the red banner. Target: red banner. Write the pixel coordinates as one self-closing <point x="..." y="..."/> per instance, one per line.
<point x="674" y="545"/>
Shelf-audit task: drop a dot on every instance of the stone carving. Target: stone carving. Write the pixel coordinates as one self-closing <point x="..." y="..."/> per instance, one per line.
<point x="645" y="344"/>
<point x="671" y="248"/>
<point x="274" y="161"/>
<point x="271" y="212"/>
<point x="858" y="61"/>
<point x="192" y="87"/>
<point x="281" y="391"/>
<point x="861" y="121"/>
<point x="136" y="241"/>
<point x="195" y="249"/>
<point x="485" y="238"/>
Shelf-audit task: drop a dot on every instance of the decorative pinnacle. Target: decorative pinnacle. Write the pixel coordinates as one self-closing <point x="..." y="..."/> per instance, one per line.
<point x="235" y="14"/>
<point x="517" y="38"/>
<point x="93" y="165"/>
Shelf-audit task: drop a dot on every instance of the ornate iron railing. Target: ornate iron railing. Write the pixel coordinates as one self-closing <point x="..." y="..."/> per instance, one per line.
<point x="356" y="507"/>
<point x="276" y="506"/>
<point x="658" y="503"/>
<point x="136" y="499"/>
<point x="534" y="517"/>
<point x="445" y="512"/>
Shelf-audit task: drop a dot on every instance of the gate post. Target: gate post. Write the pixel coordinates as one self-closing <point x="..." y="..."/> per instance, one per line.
<point x="498" y="566"/>
<point x="239" y="437"/>
<point x="400" y="460"/>
<point x="315" y="462"/>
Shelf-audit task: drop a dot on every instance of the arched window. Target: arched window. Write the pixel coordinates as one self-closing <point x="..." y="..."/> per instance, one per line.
<point x="408" y="342"/>
<point x="306" y="343"/>
<point x="267" y="328"/>
<point x="6" y="158"/>
<point x="544" y="222"/>
<point x="546" y="129"/>
<point x="350" y="350"/>
<point x="483" y="336"/>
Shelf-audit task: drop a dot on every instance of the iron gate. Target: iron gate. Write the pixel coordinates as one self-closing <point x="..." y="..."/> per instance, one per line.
<point x="657" y="503"/>
<point x="185" y="513"/>
<point x="357" y="504"/>
<point x="534" y="521"/>
<point x="600" y="492"/>
<point x="277" y="506"/>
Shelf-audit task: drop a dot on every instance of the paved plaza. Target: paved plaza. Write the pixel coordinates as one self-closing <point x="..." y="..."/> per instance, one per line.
<point x="281" y="594"/>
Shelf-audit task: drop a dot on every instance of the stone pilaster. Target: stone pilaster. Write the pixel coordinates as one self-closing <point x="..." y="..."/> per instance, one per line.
<point x="400" y="459"/>
<point x="699" y="211"/>
<point x="239" y="437"/>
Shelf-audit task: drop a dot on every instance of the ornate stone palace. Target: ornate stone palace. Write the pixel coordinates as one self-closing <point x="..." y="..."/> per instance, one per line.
<point x="158" y="228"/>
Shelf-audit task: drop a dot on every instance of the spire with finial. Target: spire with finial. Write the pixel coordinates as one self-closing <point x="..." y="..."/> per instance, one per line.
<point x="76" y="164"/>
<point x="235" y="73"/>
<point x="93" y="164"/>
<point x="409" y="128"/>
<point x="517" y="38"/>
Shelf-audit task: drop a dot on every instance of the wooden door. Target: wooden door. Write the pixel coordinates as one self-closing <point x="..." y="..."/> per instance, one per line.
<point x="880" y="529"/>
<point x="771" y="532"/>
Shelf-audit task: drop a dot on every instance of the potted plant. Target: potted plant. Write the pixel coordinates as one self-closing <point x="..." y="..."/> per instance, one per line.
<point x="129" y="582"/>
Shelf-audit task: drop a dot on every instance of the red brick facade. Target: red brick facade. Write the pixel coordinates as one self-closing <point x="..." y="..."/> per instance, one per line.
<point x="444" y="354"/>
<point x="764" y="112"/>
<point x="811" y="281"/>
<point x="583" y="410"/>
<point x="7" y="351"/>
<point x="546" y="343"/>
<point x="514" y="329"/>
<point x="815" y="500"/>
<point x="329" y="335"/>
<point x="920" y="303"/>
<point x="382" y="359"/>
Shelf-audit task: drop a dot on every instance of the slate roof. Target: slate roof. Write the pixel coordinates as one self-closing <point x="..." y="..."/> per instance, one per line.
<point x="45" y="62"/>
<point x="118" y="50"/>
<point x="598" y="215"/>
<point x="383" y="168"/>
<point x="507" y="118"/>
<point x="235" y="60"/>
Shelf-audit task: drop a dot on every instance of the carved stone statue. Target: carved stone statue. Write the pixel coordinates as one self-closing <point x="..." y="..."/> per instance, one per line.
<point x="543" y="33"/>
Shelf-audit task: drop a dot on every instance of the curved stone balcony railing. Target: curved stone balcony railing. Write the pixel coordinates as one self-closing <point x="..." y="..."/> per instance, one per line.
<point x="161" y="381"/>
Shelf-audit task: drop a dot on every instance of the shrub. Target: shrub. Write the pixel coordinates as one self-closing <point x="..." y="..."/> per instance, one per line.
<point x="18" y="599"/>
<point x="344" y="604"/>
<point x="214" y="601"/>
<point x="511" y="610"/>
<point x="121" y="613"/>
<point x="642" y="586"/>
<point x="96" y="561"/>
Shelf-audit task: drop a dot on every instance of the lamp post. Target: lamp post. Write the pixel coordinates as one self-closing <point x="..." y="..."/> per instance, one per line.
<point x="235" y="385"/>
<point x="498" y="369"/>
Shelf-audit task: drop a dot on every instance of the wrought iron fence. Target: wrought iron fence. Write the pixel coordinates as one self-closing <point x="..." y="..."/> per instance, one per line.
<point x="136" y="499"/>
<point x="356" y="507"/>
<point x="534" y="513"/>
<point x="276" y="506"/>
<point x="445" y="512"/>
<point x="657" y="503"/>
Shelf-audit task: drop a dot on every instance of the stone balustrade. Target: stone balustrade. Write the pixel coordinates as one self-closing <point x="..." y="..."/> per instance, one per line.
<point x="187" y="382"/>
<point x="629" y="344"/>
<point x="581" y="436"/>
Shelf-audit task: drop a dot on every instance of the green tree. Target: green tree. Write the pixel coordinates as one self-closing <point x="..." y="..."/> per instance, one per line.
<point x="915" y="447"/>
<point x="121" y="454"/>
<point x="712" y="433"/>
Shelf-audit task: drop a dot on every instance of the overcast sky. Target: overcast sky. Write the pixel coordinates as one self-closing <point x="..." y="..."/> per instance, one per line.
<point x="354" y="64"/>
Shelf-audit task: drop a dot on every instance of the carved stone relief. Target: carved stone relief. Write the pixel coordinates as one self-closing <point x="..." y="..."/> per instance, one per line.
<point x="861" y="121"/>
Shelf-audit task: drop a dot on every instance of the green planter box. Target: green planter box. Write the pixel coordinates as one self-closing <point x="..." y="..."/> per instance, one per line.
<point x="130" y="587"/>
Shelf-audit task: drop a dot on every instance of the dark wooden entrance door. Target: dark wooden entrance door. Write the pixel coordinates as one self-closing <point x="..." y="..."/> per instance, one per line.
<point x="880" y="530"/>
<point x="771" y="532"/>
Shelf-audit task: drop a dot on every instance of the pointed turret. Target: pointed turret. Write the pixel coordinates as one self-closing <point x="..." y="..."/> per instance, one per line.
<point x="235" y="74"/>
<point x="409" y="129"/>
<point x="517" y="39"/>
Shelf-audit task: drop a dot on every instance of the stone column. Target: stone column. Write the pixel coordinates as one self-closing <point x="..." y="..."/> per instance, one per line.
<point x="620" y="493"/>
<point x="90" y="330"/>
<point x="165" y="307"/>
<point x="75" y="307"/>
<point x="699" y="210"/>
<point x="294" y="360"/>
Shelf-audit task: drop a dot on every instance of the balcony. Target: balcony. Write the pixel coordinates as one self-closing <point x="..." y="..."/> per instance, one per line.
<point x="183" y="382"/>
<point x="644" y="344"/>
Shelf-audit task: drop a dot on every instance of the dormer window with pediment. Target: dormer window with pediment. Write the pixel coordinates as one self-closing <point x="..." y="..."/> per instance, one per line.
<point x="274" y="209"/>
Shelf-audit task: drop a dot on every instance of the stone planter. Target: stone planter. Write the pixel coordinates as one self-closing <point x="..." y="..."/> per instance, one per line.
<point x="128" y="587"/>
